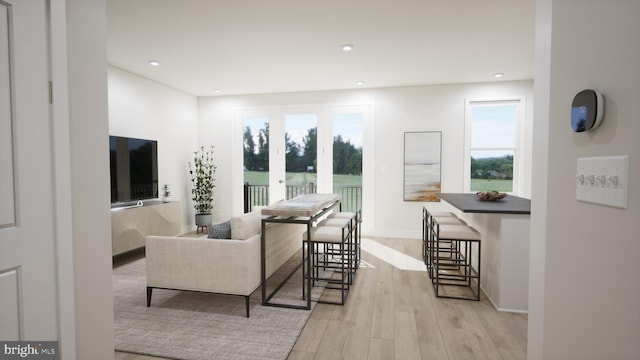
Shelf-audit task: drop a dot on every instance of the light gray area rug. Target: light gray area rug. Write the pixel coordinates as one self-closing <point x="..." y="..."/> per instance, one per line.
<point x="192" y="325"/>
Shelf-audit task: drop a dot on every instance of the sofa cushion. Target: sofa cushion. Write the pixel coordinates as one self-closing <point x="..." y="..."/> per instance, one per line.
<point x="246" y="225"/>
<point x="220" y="231"/>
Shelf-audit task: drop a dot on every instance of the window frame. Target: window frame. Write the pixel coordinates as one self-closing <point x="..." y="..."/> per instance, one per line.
<point x="470" y="104"/>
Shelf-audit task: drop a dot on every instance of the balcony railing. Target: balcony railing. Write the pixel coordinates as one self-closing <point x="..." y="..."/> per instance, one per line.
<point x="258" y="195"/>
<point x="255" y="195"/>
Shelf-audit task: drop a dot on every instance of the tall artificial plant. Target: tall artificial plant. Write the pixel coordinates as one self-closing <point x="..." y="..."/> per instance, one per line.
<point x="202" y="172"/>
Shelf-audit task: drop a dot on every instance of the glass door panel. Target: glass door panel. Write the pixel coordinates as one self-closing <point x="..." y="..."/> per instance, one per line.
<point x="347" y="159"/>
<point x="255" y="151"/>
<point x="301" y="163"/>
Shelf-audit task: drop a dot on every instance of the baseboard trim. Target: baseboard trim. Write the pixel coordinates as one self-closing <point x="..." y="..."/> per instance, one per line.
<point x="127" y="256"/>
<point x="502" y="309"/>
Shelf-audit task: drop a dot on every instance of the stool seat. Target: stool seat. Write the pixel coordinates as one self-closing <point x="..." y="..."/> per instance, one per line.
<point x="448" y="220"/>
<point x="342" y="215"/>
<point x="442" y="214"/>
<point x="325" y="234"/>
<point x="458" y="232"/>
<point x="428" y="219"/>
<point x="335" y="222"/>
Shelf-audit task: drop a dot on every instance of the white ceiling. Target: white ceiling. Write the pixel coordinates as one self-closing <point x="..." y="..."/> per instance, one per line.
<point x="267" y="46"/>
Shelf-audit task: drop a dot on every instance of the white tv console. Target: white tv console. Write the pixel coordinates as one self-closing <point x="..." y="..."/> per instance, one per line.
<point x="130" y="225"/>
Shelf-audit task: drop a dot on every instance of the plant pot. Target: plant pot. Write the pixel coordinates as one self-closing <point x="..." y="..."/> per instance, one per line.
<point x="203" y="219"/>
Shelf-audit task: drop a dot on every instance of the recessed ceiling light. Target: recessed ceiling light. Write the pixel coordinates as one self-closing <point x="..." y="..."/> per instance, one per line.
<point x="359" y="83"/>
<point x="154" y="62"/>
<point x="347" y="47"/>
<point x="498" y="75"/>
<point x="217" y="91"/>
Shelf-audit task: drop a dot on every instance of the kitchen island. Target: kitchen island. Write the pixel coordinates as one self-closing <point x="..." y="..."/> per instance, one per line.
<point x="504" y="226"/>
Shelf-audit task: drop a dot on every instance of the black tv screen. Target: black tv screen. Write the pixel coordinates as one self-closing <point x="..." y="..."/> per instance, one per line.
<point x="134" y="169"/>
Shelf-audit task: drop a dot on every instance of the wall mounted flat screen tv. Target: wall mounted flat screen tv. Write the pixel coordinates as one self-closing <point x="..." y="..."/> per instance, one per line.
<point x="134" y="169"/>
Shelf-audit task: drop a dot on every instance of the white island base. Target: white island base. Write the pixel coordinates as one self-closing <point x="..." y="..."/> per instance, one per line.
<point x="504" y="275"/>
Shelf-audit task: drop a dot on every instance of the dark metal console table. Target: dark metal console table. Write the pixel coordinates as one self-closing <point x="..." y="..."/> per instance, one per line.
<point x="304" y="209"/>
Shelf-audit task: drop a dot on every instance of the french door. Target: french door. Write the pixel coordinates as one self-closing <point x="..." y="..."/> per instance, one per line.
<point x="292" y="151"/>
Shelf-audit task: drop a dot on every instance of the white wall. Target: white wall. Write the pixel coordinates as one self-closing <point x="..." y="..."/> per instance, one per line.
<point x="538" y="230"/>
<point x="142" y="108"/>
<point x="590" y="298"/>
<point x="397" y="110"/>
<point x="88" y="163"/>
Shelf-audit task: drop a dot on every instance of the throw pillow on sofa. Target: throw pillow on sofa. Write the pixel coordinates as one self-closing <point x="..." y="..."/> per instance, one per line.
<point x="220" y="231"/>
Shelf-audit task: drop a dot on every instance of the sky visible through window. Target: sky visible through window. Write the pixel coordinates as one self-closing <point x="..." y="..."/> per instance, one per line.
<point x="297" y="125"/>
<point x="349" y="126"/>
<point x="493" y="127"/>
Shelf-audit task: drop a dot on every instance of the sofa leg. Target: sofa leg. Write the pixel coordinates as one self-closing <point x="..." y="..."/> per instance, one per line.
<point x="149" y="290"/>
<point x="246" y="302"/>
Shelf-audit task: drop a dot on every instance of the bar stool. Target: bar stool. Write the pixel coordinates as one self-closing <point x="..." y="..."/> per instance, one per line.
<point x="427" y="229"/>
<point x="426" y="221"/>
<point x="455" y="267"/>
<point x="339" y="221"/>
<point x="357" y="229"/>
<point x="337" y="260"/>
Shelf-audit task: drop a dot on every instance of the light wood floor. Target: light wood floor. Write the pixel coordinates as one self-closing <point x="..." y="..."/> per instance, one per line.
<point x="392" y="313"/>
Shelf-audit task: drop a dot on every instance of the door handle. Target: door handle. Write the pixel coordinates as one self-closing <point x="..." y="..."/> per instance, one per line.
<point x="280" y="181"/>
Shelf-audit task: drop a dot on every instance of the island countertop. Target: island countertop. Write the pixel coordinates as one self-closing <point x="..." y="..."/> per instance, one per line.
<point x="470" y="203"/>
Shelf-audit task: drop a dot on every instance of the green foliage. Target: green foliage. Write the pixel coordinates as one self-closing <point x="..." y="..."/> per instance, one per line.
<point x="256" y="177"/>
<point x="347" y="158"/>
<point x="256" y="156"/>
<point x="202" y="172"/>
<point x="347" y="180"/>
<point x="491" y="185"/>
<point x="300" y="156"/>
<point x="492" y="168"/>
<point x="301" y="178"/>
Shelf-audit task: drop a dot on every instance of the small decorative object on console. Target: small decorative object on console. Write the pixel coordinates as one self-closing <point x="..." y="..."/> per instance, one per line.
<point x="490" y="195"/>
<point x="166" y="192"/>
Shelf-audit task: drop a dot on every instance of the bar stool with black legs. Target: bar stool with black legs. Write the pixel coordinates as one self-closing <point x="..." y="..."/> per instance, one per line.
<point x="428" y="219"/>
<point x="331" y="250"/>
<point x="426" y="223"/>
<point x="332" y="268"/>
<point x="459" y="267"/>
<point x="357" y="231"/>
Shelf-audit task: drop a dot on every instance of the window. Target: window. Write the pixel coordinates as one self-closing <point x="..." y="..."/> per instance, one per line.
<point x="491" y="156"/>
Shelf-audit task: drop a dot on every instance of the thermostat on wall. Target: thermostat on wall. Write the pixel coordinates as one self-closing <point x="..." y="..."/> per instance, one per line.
<point x="586" y="110"/>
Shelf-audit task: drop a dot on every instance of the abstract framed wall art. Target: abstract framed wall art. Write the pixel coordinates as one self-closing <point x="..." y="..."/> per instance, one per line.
<point x="422" y="157"/>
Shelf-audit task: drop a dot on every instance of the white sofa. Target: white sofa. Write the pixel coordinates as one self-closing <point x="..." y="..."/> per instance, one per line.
<point x="224" y="266"/>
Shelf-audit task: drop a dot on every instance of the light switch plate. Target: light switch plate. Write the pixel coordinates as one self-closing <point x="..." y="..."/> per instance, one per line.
<point x="603" y="180"/>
